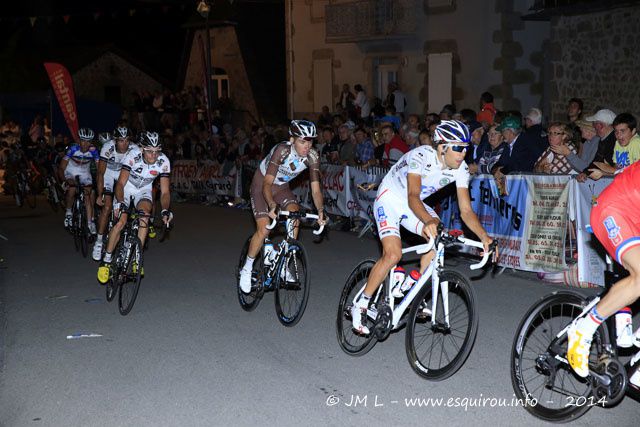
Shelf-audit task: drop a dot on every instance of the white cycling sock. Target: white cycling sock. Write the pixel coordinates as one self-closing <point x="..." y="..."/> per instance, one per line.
<point x="248" y="264"/>
<point x="99" y="239"/>
<point x="107" y="257"/>
<point x="363" y="301"/>
<point x="588" y="325"/>
<point x="68" y="212"/>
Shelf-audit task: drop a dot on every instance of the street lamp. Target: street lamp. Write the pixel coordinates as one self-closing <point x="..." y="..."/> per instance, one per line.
<point x="203" y="9"/>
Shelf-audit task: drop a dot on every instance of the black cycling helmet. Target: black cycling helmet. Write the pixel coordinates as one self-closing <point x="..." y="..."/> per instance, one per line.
<point x="104" y="137"/>
<point x="150" y="139"/>
<point x="86" y="134"/>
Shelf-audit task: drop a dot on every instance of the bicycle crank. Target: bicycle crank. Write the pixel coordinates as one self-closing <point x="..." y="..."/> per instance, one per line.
<point x="382" y="328"/>
<point x="609" y="380"/>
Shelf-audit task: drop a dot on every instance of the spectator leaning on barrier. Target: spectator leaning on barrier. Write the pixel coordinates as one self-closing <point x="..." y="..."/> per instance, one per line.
<point x="520" y="154"/>
<point x="492" y="153"/>
<point x="487" y="110"/>
<point x="534" y="130"/>
<point x="347" y="145"/>
<point x="603" y="124"/>
<point x="586" y="152"/>
<point x="394" y="146"/>
<point x="364" y="148"/>
<point x="478" y="142"/>
<point x="551" y="162"/>
<point x="626" y="150"/>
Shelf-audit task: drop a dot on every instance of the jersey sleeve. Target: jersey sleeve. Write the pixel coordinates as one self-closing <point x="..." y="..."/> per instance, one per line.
<point x="314" y="166"/>
<point x="103" y="152"/>
<point x="95" y="154"/>
<point x="165" y="170"/>
<point x="70" y="152"/>
<point x="416" y="161"/>
<point x="129" y="160"/>
<point x="463" y="176"/>
<point x="279" y="154"/>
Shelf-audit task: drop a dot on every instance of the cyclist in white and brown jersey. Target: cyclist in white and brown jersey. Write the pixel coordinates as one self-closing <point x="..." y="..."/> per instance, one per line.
<point x="270" y="187"/>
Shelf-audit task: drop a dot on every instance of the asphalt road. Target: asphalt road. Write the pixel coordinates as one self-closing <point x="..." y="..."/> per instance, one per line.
<point x="188" y="355"/>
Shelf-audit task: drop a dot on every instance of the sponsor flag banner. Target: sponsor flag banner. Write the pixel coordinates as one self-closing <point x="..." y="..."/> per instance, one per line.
<point x="63" y="88"/>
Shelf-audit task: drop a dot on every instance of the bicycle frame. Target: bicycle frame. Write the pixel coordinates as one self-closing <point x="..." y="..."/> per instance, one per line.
<point x="432" y="271"/>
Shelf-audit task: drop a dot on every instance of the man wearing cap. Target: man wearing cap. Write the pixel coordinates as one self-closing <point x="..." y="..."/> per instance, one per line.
<point x="520" y="154"/>
<point x="587" y="152"/>
<point x="626" y="150"/>
<point x="603" y="124"/>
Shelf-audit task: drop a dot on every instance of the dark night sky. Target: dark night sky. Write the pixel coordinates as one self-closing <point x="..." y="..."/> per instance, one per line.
<point x="154" y="38"/>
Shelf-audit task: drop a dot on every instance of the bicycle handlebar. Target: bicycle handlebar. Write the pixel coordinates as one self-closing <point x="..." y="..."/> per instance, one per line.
<point x="297" y="215"/>
<point x="426" y="247"/>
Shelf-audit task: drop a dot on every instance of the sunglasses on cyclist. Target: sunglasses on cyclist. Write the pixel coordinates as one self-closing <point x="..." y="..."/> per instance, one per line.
<point x="153" y="150"/>
<point x="457" y="148"/>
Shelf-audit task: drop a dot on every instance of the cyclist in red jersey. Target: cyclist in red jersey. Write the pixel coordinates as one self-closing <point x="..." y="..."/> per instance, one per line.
<point x="616" y="223"/>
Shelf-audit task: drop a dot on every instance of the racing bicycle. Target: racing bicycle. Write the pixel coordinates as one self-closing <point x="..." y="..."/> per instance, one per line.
<point x="540" y="372"/>
<point x="442" y="319"/>
<point x="79" y="228"/>
<point x="285" y="272"/>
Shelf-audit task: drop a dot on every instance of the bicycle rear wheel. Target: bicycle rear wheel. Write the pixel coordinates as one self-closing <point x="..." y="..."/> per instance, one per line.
<point x="352" y="343"/>
<point x="132" y="277"/>
<point x="292" y="296"/>
<point x="83" y="230"/>
<point x="537" y="374"/>
<point x="250" y="301"/>
<point x="75" y="225"/>
<point x="435" y="349"/>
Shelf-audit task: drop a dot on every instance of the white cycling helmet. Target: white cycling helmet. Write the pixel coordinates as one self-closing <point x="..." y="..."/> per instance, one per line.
<point x="451" y="131"/>
<point x="150" y="139"/>
<point x="302" y="129"/>
<point x="86" y="134"/>
<point x="104" y="137"/>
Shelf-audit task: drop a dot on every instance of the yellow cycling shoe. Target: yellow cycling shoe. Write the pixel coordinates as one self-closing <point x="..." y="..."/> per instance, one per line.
<point x="134" y="268"/>
<point x="152" y="232"/>
<point x="104" y="271"/>
<point x="578" y="351"/>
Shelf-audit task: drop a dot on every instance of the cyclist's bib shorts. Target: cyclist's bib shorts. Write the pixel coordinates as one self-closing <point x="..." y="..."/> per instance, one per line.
<point x="138" y="194"/>
<point x="84" y="173"/>
<point x="110" y="178"/>
<point x="391" y="211"/>
<point x="282" y="195"/>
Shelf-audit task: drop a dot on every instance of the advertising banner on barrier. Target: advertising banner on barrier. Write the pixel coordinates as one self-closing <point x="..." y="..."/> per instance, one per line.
<point x="591" y="264"/>
<point x="187" y="176"/>
<point x="513" y="219"/>
<point x="363" y="197"/>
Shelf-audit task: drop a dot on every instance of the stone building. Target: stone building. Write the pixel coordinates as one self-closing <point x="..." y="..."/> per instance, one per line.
<point x="112" y="76"/>
<point x="229" y="72"/>
<point x="593" y="56"/>
<point x="439" y="51"/>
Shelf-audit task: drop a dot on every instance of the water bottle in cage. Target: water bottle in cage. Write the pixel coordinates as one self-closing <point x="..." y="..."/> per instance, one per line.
<point x="398" y="278"/>
<point x="268" y="252"/>
<point x="412" y="279"/>
<point x="624" y="328"/>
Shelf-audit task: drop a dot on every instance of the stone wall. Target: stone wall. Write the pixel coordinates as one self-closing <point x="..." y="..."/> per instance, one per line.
<point x="595" y="57"/>
<point x="112" y="70"/>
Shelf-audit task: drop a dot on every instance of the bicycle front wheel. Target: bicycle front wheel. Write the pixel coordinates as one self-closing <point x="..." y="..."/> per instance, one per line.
<point x="292" y="291"/>
<point x="437" y="348"/>
<point x="83" y="231"/>
<point x="132" y="277"/>
<point x="350" y="342"/>
<point x="548" y="387"/>
<point x="250" y="301"/>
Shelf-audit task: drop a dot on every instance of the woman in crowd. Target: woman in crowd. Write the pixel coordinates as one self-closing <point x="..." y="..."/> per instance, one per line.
<point x="551" y="162"/>
<point x="586" y="153"/>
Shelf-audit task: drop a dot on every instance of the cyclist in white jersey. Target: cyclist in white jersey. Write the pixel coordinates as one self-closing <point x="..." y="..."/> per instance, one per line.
<point x="418" y="174"/>
<point x="111" y="155"/>
<point x="140" y="167"/>
<point x="77" y="162"/>
<point x="270" y="187"/>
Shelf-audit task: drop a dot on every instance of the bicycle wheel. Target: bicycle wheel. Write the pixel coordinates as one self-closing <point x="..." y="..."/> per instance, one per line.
<point x="132" y="277"/>
<point x="435" y="349"/>
<point x="352" y="343"/>
<point x="546" y="385"/>
<point x="292" y="296"/>
<point x="83" y="231"/>
<point x="76" y="225"/>
<point x="250" y="301"/>
<point x="52" y="196"/>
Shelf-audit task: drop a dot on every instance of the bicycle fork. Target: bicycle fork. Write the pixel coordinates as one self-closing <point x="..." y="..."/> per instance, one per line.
<point x="439" y="286"/>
